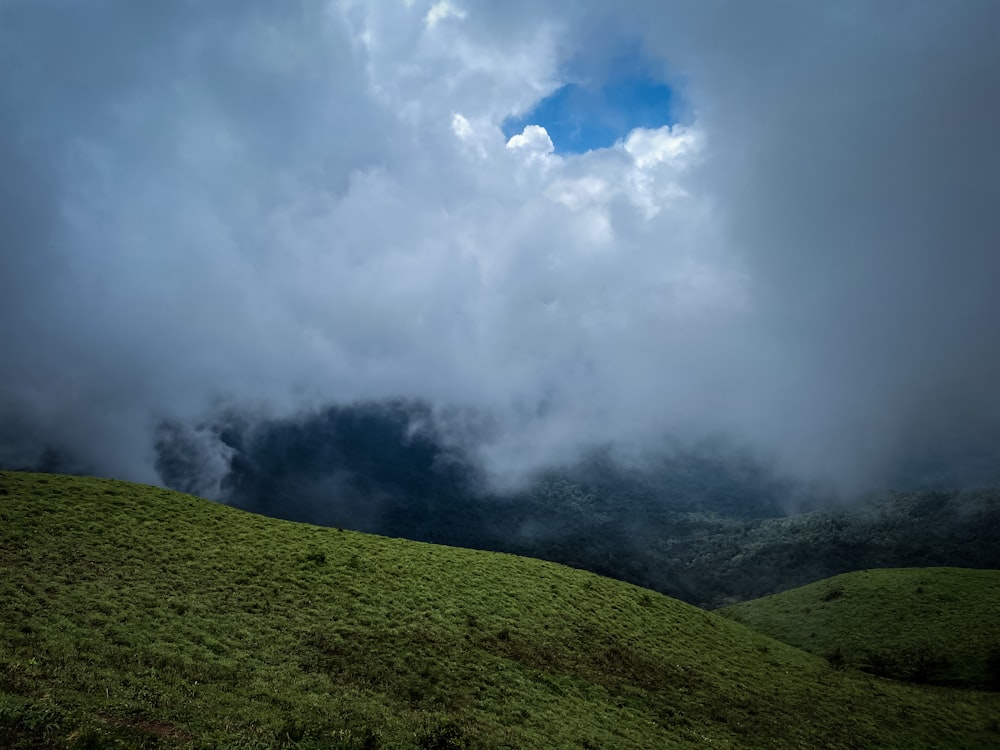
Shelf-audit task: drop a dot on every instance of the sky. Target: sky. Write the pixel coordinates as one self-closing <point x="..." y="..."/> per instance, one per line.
<point x="595" y="108"/>
<point x="583" y="221"/>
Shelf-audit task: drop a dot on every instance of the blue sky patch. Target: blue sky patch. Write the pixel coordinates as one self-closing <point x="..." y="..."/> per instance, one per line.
<point x="580" y="117"/>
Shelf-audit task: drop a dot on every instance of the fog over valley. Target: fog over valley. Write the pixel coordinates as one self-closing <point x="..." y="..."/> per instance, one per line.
<point x="372" y="264"/>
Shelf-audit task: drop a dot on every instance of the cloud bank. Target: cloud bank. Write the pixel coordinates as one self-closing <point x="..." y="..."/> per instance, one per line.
<point x="273" y="206"/>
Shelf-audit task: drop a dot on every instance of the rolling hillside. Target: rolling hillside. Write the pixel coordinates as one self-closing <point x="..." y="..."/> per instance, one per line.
<point x="706" y="523"/>
<point x="938" y="625"/>
<point x="137" y="617"/>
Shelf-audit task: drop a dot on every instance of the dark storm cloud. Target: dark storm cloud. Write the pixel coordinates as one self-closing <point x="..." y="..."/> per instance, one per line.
<point x="267" y="207"/>
<point x="142" y="144"/>
<point x="854" y="160"/>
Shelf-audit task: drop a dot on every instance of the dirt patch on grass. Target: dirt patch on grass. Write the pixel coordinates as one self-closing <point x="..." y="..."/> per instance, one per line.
<point x="155" y="728"/>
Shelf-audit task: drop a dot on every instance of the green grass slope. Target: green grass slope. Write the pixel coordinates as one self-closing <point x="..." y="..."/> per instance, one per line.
<point x="136" y="617"/>
<point x="921" y="624"/>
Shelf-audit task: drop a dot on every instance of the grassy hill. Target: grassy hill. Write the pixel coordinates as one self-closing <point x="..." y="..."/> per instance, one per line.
<point x="137" y="617"/>
<point x="923" y="624"/>
<point x="705" y="522"/>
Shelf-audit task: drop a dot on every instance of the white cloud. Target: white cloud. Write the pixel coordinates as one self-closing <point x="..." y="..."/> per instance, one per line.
<point x="579" y="193"/>
<point x="533" y="142"/>
<point x="674" y="145"/>
<point x="461" y="126"/>
<point x="241" y="201"/>
<point x="440" y="11"/>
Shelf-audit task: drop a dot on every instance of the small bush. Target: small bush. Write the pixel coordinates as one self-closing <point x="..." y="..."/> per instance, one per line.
<point x="445" y="735"/>
<point x="836" y="658"/>
<point x="31" y="721"/>
<point x="316" y="557"/>
<point x="834" y="593"/>
<point x="917" y="664"/>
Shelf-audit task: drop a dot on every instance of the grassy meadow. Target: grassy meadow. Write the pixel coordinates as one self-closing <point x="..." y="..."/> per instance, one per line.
<point x="935" y="625"/>
<point x="134" y="617"/>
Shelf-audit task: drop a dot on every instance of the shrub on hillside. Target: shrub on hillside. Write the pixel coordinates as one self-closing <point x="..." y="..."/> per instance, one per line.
<point x="836" y="658"/>
<point x="919" y="664"/>
<point x="444" y="735"/>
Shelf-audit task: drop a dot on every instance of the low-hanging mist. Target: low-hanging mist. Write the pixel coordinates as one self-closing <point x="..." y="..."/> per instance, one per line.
<point x="708" y="522"/>
<point x="268" y="209"/>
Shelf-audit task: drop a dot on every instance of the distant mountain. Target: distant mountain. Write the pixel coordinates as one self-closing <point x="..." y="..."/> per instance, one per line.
<point x="704" y="522"/>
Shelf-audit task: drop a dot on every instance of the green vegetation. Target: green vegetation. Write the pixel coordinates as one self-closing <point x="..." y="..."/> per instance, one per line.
<point x="714" y="559"/>
<point x="137" y="617"/>
<point x="704" y="522"/>
<point x="939" y="625"/>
